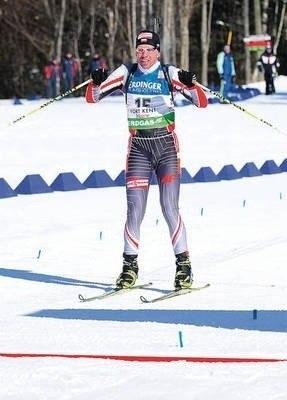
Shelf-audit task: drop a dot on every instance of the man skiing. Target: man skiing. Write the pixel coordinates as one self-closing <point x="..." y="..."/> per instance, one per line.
<point x="149" y="88"/>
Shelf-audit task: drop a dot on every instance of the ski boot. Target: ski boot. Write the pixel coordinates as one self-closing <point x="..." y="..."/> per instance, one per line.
<point x="183" y="276"/>
<point x="128" y="277"/>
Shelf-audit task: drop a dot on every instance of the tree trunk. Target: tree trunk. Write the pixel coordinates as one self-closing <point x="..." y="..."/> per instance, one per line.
<point x="143" y="14"/>
<point x="131" y="22"/>
<point x="134" y="23"/>
<point x="112" y="30"/>
<point x="166" y="43"/>
<point x="61" y="29"/>
<point x="206" y="17"/>
<point x="280" y="27"/>
<point x="265" y="6"/>
<point x="77" y="35"/>
<point x="258" y="30"/>
<point x="246" y="33"/>
<point x="185" y="11"/>
<point x="92" y="27"/>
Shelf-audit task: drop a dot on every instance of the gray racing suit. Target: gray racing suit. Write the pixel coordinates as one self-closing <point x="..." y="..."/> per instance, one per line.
<point x="153" y="145"/>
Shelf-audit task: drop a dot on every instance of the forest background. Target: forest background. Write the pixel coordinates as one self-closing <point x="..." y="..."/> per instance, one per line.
<point x="192" y="33"/>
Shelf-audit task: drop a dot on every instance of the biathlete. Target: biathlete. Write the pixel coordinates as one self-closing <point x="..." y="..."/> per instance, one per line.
<point x="149" y="88"/>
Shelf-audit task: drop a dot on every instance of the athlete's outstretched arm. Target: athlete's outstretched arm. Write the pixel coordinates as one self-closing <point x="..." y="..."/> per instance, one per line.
<point x="114" y="82"/>
<point x="191" y="92"/>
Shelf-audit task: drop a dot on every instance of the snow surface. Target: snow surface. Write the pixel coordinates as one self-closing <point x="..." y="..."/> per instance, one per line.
<point x="57" y="245"/>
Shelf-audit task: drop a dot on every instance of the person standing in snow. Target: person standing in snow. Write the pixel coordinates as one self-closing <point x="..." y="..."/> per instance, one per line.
<point x="269" y="64"/>
<point x="70" y="69"/>
<point x="52" y="73"/>
<point x="226" y="70"/>
<point x="149" y="88"/>
<point x="97" y="62"/>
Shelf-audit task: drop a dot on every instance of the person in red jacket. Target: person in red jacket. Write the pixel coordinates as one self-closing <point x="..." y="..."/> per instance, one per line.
<point x="52" y="73"/>
<point x="149" y="89"/>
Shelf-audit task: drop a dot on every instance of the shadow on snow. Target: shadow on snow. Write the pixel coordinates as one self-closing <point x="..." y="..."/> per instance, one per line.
<point x="259" y="320"/>
<point x="58" y="280"/>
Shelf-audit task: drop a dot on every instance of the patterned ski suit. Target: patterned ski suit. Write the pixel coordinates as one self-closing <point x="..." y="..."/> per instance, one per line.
<point x="152" y="146"/>
<point x="269" y="64"/>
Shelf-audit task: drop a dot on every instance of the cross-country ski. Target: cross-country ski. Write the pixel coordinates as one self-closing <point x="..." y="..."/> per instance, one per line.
<point x="173" y="293"/>
<point x="112" y="292"/>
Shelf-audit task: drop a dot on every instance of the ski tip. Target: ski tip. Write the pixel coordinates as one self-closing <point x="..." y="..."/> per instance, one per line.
<point x="81" y="297"/>
<point x="144" y="299"/>
<point x="194" y="288"/>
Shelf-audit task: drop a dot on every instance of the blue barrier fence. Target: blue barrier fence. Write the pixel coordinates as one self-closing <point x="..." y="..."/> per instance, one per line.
<point x="67" y="181"/>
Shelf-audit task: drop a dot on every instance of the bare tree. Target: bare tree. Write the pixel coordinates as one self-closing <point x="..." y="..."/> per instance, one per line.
<point x="185" y="11"/>
<point x="113" y="20"/>
<point x="246" y="33"/>
<point x="206" y="17"/>
<point x="280" y="27"/>
<point x="258" y="30"/>
<point x="150" y="10"/>
<point x="77" y="33"/>
<point x="60" y="29"/>
<point x="92" y="13"/>
<point x="143" y="14"/>
<point x="130" y="8"/>
<point x="56" y="17"/>
<point x="264" y="16"/>
<point x="34" y="31"/>
<point x="167" y="16"/>
<point x="257" y="15"/>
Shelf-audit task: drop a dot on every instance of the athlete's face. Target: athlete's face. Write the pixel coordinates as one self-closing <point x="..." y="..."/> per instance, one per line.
<point x="147" y="55"/>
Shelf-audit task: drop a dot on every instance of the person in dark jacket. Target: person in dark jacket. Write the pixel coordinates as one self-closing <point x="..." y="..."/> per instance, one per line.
<point x="269" y="64"/>
<point x="70" y="68"/>
<point x="97" y="62"/>
<point x="52" y="73"/>
<point x="226" y="70"/>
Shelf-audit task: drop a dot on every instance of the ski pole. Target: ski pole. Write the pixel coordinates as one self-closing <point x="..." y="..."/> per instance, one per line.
<point x="240" y="108"/>
<point x="57" y="98"/>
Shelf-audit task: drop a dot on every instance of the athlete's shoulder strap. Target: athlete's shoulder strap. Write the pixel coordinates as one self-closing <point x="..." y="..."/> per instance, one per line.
<point x="131" y="70"/>
<point x="166" y="75"/>
<point x="167" y="78"/>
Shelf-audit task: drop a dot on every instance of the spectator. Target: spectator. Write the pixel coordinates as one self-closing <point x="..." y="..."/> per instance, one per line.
<point x="70" y="68"/>
<point x="97" y="62"/>
<point x="52" y="73"/>
<point x="269" y="64"/>
<point x="226" y="70"/>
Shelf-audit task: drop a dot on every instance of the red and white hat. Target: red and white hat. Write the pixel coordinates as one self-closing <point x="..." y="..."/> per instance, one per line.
<point x="148" y="37"/>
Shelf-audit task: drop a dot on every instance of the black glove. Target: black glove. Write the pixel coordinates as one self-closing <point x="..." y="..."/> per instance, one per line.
<point x="186" y="77"/>
<point x="98" y="76"/>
